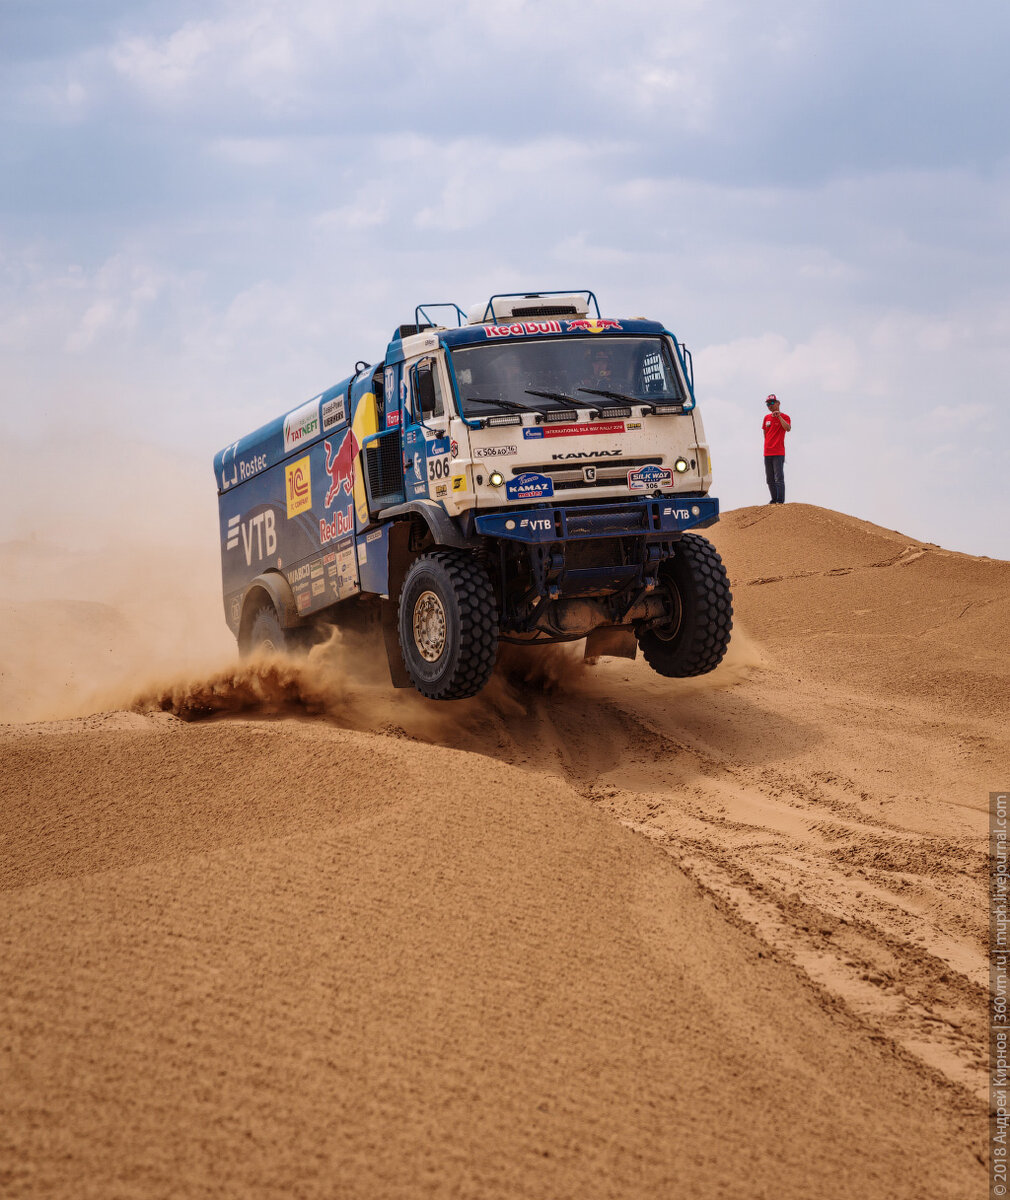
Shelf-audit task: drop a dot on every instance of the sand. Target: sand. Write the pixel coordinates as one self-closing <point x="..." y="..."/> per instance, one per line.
<point x="278" y="930"/>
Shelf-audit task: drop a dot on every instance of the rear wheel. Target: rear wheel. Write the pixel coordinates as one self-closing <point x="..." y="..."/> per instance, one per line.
<point x="695" y="639"/>
<point x="266" y="633"/>
<point x="448" y="625"/>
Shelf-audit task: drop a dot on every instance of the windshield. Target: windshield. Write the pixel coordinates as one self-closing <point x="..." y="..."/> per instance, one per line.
<point x="590" y="372"/>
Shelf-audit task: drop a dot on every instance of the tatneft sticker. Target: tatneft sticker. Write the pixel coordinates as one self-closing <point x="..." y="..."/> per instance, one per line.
<point x="581" y="429"/>
<point x="529" y="486"/>
<point x="301" y="426"/>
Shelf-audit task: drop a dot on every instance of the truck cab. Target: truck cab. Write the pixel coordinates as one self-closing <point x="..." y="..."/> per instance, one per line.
<point x="526" y="472"/>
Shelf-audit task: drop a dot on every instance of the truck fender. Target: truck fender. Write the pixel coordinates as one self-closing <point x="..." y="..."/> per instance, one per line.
<point x="271" y="586"/>
<point x="443" y="528"/>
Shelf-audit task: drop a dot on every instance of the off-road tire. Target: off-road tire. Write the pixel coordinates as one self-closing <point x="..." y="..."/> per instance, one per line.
<point x="469" y="613"/>
<point x="696" y="642"/>
<point x="266" y="633"/>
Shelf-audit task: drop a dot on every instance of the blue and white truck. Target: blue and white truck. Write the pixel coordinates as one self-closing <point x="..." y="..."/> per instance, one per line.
<point x="526" y="473"/>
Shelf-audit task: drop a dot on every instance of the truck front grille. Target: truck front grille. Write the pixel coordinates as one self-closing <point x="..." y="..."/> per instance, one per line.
<point x="567" y="475"/>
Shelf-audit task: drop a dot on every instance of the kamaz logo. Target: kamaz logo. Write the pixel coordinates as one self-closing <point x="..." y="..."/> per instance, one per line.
<point x="588" y="454"/>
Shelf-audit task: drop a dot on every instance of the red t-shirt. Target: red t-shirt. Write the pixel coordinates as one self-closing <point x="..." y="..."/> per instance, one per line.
<point x="775" y="435"/>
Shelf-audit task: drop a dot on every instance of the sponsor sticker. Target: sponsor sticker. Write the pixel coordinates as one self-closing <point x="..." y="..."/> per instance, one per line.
<point x="529" y="486"/>
<point x="249" y="467"/>
<point x="373" y="536"/>
<point x="393" y="419"/>
<point x="438" y="446"/>
<point x="334" y="413"/>
<point x="298" y="486"/>
<point x="441" y="491"/>
<point x="495" y="451"/>
<point x="521" y="328"/>
<point x="459" y="483"/>
<point x="454" y="448"/>
<point x="304" y="599"/>
<point x="651" y="476"/>
<point x="298" y="574"/>
<point x="577" y="429"/>
<point x="592" y="325"/>
<point x="634" y="425"/>
<point x="362" y="553"/>
<point x="301" y="426"/>
<point x="318" y="587"/>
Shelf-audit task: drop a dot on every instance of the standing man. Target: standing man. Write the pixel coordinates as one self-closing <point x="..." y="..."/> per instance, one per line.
<point x="776" y="425"/>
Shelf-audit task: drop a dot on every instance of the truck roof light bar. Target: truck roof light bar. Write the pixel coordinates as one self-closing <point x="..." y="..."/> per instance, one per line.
<point x="567" y="293"/>
<point x="662" y="410"/>
<point x="619" y="411"/>
<point x="559" y="414"/>
<point x="511" y="419"/>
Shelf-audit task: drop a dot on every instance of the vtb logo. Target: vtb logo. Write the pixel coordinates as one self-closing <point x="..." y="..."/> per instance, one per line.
<point x="298" y="486"/>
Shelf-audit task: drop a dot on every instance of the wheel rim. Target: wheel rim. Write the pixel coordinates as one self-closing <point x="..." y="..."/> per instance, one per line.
<point x="429" y="626"/>
<point x="668" y="632"/>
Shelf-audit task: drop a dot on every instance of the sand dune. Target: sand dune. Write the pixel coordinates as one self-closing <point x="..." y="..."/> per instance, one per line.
<point x="592" y="933"/>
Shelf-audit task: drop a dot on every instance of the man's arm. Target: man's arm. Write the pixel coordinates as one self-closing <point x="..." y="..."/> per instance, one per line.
<point x="784" y="421"/>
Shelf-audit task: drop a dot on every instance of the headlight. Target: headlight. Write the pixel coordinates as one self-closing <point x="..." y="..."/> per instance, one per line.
<point x="496" y="479"/>
<point x="680" y="466"/>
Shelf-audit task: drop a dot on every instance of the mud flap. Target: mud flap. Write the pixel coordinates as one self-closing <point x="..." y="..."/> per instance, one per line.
<point x="397" y="671"/>
<point x="612" y="643"/>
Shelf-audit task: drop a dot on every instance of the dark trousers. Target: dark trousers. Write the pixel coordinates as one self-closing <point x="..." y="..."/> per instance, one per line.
<point x="775" y="474"/>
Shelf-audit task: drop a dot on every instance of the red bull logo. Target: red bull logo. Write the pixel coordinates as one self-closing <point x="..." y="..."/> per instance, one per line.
<point x="340" y="466"/>
<point x="592" y="325"/>
<point x="520" y="328"/>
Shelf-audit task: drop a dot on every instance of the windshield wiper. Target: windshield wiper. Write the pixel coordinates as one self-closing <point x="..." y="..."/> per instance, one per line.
<point x="614" y="395"/>
<point x="559" y="396"/>
<point x="510" y="405"/>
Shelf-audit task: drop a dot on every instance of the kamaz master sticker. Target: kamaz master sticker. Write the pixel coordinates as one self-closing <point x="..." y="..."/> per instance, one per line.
<point x="529" y="486"/>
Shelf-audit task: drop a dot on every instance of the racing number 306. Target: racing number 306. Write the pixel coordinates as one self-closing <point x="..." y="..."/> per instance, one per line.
<point x="438" y="468"/>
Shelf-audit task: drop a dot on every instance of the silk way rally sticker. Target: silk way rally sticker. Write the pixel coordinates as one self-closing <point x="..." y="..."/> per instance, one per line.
<point x="644" y="479"/>
<point x="529" y="486"/>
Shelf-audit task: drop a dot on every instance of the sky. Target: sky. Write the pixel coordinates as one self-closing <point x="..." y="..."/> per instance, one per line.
<point x="209" y="212"/>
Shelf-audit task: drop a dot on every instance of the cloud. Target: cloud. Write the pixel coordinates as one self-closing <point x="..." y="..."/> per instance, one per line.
<point x="210" y="212"/>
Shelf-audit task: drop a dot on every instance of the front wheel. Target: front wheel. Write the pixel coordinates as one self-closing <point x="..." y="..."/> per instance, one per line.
<point x="448" y="625"/>
<point x="695" y="639"/>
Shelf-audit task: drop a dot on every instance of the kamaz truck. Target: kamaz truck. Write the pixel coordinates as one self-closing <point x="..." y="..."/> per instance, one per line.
<point x="528" y="472"/>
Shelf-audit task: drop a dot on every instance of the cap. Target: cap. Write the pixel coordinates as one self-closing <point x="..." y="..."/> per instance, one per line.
<point x="772" y="399"/>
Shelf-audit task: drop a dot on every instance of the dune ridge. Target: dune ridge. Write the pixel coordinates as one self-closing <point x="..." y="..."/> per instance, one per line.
<point x="276" y="929"/>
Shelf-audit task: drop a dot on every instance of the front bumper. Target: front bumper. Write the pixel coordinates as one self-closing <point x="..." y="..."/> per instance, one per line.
<point x="636" y="518"/>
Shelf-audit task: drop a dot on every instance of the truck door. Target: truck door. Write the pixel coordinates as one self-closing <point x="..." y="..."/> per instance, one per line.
<point x="426" y="442"/>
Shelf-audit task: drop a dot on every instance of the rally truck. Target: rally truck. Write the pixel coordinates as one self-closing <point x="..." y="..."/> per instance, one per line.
<point x="528" y="472"/>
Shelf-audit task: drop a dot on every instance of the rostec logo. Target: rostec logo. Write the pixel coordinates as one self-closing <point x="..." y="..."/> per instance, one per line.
<point x="298" y="486"/>
<point x="592" y="325"/>
<point x="301" y="426"/>
<point x="340" y="466"/>
<point x="259" y="536"/>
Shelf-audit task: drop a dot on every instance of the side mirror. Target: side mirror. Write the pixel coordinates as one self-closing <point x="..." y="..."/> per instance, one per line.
<point x="426" y="391"/>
